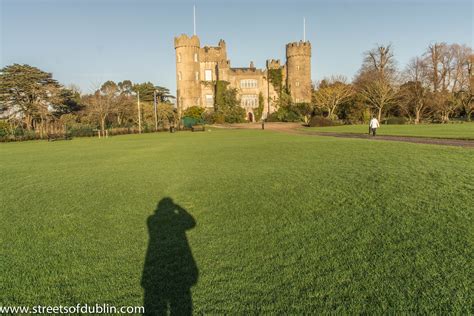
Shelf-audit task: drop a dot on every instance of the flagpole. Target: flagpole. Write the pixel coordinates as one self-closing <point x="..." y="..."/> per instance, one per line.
<point x="304" y="29"/>
<point x="194" y="19"/>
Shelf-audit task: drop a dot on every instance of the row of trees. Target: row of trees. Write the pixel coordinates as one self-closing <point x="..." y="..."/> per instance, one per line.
<point x="31" y="100"/>
<point x="435" y="86"/>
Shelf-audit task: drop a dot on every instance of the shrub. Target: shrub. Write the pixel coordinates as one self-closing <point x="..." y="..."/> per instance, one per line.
<point x="4" y="128"/>
<point x="394" y="120"/>
<point x="322" y="121"/>
<point x="82" y="130"/>
<point x="285" y="114"/>
<point x="194" y="112"/>
<point x="218" y="118"/>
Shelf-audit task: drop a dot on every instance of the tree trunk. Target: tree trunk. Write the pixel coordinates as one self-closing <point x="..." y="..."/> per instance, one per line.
<point x="417" y="117"/>
<point x="379" y="115"/>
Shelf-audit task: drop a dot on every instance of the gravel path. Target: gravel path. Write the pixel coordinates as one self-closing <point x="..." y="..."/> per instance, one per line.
<point x="295" y="128"/>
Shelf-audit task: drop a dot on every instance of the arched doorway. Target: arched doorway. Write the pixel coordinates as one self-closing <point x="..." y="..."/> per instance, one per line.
<point x="250" y="117"/>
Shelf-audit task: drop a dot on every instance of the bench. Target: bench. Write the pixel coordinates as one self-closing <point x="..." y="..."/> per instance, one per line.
<point x="53" y="137"/>
<point x="198" y="128"/>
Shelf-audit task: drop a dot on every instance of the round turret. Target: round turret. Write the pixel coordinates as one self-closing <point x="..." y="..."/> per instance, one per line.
<point x="298" y="61"/>
<point x="187" y="71"/>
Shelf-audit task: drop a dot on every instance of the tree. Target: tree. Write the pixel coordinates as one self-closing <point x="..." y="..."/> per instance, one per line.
<point x="70" y="101"/>
<point x="165" y="114"/>
<point x="101" y="104"/>
<point x="125" y="103"/>
<point x="377" y="78"/>
<point x="28" y="92"/>
<point x="380" y="63"/>
<point x="449" y="68"/>
<point x="146" y="91"/>
<point x="379" y="95"/>
<point x="226" y="103"/>
<point x="163" y="95"/>
<point x="331" y="93"/>
<point x="433" y="56"/>
<point x="414" y="94"/>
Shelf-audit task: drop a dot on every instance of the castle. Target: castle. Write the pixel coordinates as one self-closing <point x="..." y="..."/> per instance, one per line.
<point x="197" y="68"/>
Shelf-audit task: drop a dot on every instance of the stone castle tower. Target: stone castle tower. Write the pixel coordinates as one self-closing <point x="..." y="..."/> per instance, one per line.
<point x="197" y="68"/>
<point x="298" y="65"/>
<point x="187" y="71"/>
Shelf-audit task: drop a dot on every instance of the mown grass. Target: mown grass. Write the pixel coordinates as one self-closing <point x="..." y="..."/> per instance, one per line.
<point x="284" y="223"/>
<point x="460" y="131"/>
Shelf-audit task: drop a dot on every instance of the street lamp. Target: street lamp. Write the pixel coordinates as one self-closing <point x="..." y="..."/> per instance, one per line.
<point x="154" y="109"/>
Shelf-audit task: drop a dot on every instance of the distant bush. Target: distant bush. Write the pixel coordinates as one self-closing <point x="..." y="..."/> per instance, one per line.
<point x="4" y="128"/>
<point x="394" y="121"/>
<point x="285" y="114"/>
<point x="218" y="118"/>
<point x="82" y="131"/>
<point x="322" y="121"/>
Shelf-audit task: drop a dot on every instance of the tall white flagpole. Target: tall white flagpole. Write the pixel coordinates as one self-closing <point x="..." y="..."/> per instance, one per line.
<point x="194" y="18"/>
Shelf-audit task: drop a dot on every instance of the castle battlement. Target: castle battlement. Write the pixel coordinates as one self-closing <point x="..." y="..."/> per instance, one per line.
<point x="298" y="44"/>
<point x="212" y="54"/>
<point x="298" y="49"/>
<point x="186" y="41"/>
<point x="238" y="71"/>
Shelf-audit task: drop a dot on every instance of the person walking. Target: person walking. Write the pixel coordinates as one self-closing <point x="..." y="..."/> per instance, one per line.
<point x="373" y="125"/>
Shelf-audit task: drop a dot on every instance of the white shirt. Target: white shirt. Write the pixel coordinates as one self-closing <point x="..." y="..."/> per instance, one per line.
<point x="374" y="123"/>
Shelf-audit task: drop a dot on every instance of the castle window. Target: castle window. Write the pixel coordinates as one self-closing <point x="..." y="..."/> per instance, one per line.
<point x="179" y="57"/>
<point x="249" y="100"/>
<point x="195" y="57"/>
<point x="180" y="76"/>
<point x="209" y="100"/>
<point x="196" y="76"/>
<point x="297" y="83"/>
<point x="208" y="75"/>
<point x="248" y="83"/>
<point x="298" y="67"/>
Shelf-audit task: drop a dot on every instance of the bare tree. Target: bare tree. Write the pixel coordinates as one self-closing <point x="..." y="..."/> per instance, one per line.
<point x="100" y="104"/>
<point x="462" y="80"/>
<point x="449" y="77"/>
<point x="380" y="63"/>
<point x="377" y="78"/>
<point x="469" y="103"/>
<point x="379" y="95"/>
<point x="434" y="57"/>
<point x="414" y="93"/>
<point x="332" y="92"/>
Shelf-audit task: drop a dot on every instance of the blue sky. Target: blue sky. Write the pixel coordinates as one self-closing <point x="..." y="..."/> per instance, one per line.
<point x="86" y="42"/>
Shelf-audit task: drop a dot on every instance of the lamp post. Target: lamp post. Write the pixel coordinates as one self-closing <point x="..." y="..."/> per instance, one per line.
<point x="154" y="109"/>
<point x="139" y="114"/>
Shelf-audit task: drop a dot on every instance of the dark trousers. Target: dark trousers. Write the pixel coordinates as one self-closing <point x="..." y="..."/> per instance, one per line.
<point x="374" y="130"/>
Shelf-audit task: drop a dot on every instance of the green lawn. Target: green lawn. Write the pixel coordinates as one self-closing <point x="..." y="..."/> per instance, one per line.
<point x="274" y="223"/>
<point x="461" y="131"/>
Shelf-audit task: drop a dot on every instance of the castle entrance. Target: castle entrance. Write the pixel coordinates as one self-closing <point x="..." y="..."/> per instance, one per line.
<point x="250" y="117"/>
